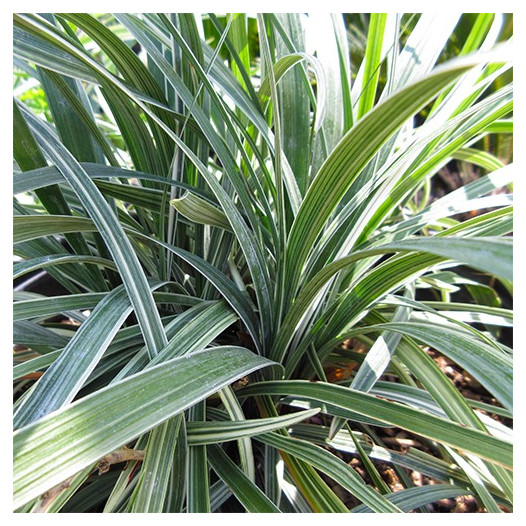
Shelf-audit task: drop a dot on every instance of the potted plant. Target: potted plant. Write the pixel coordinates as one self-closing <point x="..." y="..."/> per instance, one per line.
<point x="260" y="279"/>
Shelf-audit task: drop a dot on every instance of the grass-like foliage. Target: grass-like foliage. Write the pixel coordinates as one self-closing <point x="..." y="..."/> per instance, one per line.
<point x="254" y="265"/>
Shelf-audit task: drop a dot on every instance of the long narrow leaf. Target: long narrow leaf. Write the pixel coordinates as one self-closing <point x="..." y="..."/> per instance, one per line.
<point x="481" y="444"/>
<point x="96" y="425"/>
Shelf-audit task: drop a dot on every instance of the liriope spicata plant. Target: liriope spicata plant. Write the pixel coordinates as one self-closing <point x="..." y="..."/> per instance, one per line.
<point x="221" y="202"/>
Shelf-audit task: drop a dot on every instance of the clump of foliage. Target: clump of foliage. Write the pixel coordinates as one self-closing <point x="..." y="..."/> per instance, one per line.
<point x="226" y="200"/>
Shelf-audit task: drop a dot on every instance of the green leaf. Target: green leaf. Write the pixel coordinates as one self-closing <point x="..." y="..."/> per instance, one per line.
<point x="371" y="73"/>
<point x="411" y="498"/>
<point x="484" y="159"/>
<point x="251" y="249"/>
<point x="28" y="155"/>
<point x="48" y="175"/>
<point x="473" y="249"/>
<point x="198" y="486"/>
<point x="34" y="226"/>
<point x="331" y="465"/>
<point x="96" y="425"/>
<point x="412" y="459"/>
<point x="33" y="335"/>
<point x="246" y="452"/>
<point x="481" y="444"/>
<point x="33" y="47"/>
<point x="492" y="255"/>
<point x="491" y="367"/>
<point x="67" y="374"/>
<point x="200" y="433"/>
<point x="351" y="155"/>
<point x="294" y="104"/>
<point x="35" y="364"/>
<point x="30" y="227"/>
<point x="71" y="120"/>
<point x="307" y="206"/>
<point x="24" y="267"/>
<point x="200" y="211"/>
<point x="150" y="492"/>
<point x="111" y="230"/>
<point x="250" y="496"/>
<point x="192" y="330"/>
<point x="46" y="306"/>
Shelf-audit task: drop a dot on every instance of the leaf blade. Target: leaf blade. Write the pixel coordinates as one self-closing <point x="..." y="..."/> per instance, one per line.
<point x="41" y="460"/>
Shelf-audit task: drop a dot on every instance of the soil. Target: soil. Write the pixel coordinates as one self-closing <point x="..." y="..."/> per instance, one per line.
<point x="399" y="440"/>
